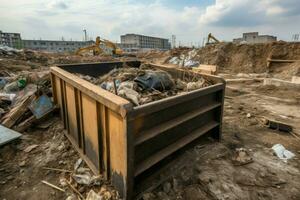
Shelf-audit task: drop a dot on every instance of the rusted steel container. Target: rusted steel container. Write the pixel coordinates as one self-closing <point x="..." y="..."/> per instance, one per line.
<point x="121" y="141"/>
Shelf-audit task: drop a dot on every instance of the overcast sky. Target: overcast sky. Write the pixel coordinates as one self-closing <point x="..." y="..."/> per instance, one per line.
<point x="189" y="20"/>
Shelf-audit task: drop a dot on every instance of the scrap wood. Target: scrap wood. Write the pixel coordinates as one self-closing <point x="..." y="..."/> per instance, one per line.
<point x="295" y="135"/>
<point x="74" y="189"/>
<point x="15" y="113"/>
<point x="53" y="186"/>
<point x="30" y="148"/>
<point x="32" y="120"/>
<point x="25" y="124"/>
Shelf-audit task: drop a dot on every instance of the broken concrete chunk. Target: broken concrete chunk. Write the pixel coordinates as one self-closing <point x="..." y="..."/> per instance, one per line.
<point x="241" y="157"/>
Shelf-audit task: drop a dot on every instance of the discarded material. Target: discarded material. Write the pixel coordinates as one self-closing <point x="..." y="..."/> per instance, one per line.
<point x="92" y="195"/>
<point x="30" y="148"/>
<point x="53" y="186"/>
<point x="282" y="153"/>
<point x="279" y="126"/>
<point x="7" y="135"/>
<point x="241" y="157"/>
<point x="41" y="106"/>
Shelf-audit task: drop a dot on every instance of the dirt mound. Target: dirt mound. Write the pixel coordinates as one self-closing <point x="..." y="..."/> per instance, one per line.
<point x="285" y="71"/>
<point x="247" y="58"/>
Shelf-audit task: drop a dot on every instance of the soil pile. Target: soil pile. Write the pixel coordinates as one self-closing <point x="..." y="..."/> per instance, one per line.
<point x="247" y="58"/>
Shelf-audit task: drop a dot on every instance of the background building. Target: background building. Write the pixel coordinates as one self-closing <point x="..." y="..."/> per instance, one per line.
<point x="55" y="45"/>
<point x="253" y="37"/>
<point x="11" y="39"/>
<point x="135" y="42"/>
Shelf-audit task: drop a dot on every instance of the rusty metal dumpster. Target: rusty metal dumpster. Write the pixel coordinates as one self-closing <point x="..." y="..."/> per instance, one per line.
<point x="121" y="141"/>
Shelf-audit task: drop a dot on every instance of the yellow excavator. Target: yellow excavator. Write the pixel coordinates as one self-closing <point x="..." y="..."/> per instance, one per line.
<point x="210" y="37"/>
<point x="97" y="50"/>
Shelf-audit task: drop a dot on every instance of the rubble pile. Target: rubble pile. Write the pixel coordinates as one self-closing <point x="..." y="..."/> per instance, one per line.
<point x="24" y="99"/>
<point x="145" y="84"/>
<point x="237" y="58"/>
<point x="81" y="182"/>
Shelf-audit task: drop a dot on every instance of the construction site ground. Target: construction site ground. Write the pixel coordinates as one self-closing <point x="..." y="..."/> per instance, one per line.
<point x="205" y="171"/>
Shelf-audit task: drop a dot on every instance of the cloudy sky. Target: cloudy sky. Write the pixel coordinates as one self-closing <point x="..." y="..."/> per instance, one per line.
<point x="189" y="20"/>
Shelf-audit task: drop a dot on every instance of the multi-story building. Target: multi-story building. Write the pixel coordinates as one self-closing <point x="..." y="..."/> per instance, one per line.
<point x="253" y="37"/>
<point x="135" y="42"/>
<point x="11" y="39"/>
<point x="55" y="45"/>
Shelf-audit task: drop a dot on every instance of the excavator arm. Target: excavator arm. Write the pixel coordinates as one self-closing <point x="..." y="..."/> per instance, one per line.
<point x="115" y="49"/>
<point x="211" y="37"/>
<point x="97" y="49"/>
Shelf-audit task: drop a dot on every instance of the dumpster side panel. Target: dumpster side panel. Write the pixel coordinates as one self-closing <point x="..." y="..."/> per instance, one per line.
<point x="90" y="129"/>
<point x="161" y="129"/>
<point x="96" y="129"/>
<point x="118" y="151"/>
<point x="71" y="107"/>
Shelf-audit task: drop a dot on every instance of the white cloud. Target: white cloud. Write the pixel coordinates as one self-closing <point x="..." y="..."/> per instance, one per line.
<point x="57" y="5"/>
<point x="53" y="19"/>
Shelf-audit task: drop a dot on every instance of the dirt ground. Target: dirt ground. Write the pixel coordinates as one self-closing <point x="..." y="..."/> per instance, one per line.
<point x="206" y="171"/>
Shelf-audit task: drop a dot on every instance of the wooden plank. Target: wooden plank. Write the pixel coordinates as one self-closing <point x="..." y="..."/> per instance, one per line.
<point x="90" y="129"/>
<point x="54" y="92"/>
<point x="72" y="112"/>
<point x="214" y="78"/>
<point x="149" y="162"/>
<point x="206" y="69"/>
<point x="281" y="61"/>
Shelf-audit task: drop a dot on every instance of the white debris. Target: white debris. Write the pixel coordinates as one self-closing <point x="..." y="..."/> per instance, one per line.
<point x="82" y="179"/>
<point x="174" y="60"/>
<point x="282" y="153"/>
<point x="77" y="164"/>
<point x="92" y="195"/>
<point x="191" y="63"/>
<point x="9" y="49"/>
<point x="195" y="85"/>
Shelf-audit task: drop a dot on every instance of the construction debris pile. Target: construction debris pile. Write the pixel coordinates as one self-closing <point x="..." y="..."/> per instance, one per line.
<point x="231" y="57"/>
<point x="24" y="99"/>
<point x="145" y="84"/>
